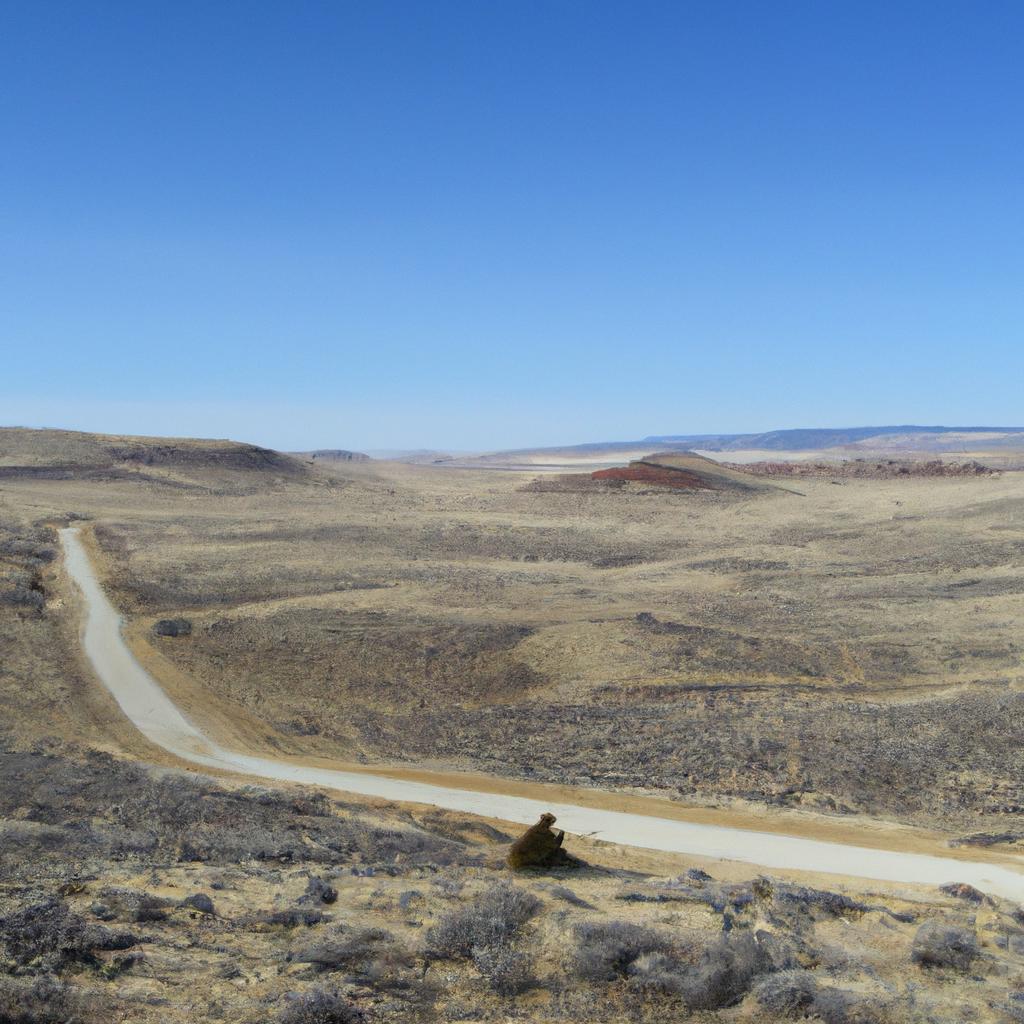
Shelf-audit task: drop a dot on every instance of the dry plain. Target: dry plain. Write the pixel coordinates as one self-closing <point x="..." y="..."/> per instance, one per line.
<point x="843" y="658"/>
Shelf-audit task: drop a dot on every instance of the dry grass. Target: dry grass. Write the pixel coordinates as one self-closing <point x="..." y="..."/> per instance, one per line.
<point x="853" y="648"/>
<point x="110" y="911"/>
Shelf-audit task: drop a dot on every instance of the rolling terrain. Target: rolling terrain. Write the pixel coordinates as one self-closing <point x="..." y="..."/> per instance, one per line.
<point x="997" y="447"/>
<point x="835" y="661"/>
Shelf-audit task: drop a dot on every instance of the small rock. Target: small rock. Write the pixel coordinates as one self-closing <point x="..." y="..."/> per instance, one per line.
<point x="199" y="901"/>
<point x="318" y="891"/>
<point x="963" y="891"/>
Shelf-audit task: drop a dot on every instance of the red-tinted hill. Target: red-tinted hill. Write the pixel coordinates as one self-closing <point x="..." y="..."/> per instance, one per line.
<point x="683" y="471"/>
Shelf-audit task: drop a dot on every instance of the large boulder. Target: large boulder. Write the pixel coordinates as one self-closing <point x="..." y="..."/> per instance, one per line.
<point x="540" y="847"/>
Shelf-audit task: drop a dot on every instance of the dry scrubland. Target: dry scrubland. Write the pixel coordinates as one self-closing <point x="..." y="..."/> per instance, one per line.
<point x="853" y="649"/>
<point x="138" y="894"/>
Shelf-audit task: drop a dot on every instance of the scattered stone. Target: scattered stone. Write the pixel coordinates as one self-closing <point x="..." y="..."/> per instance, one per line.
<point x="318" y="891"/>
<point x="963" y="891"/>
<point x="199" y="901"/>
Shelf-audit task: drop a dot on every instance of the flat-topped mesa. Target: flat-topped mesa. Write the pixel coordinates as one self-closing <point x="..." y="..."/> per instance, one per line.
<point x="333" y="455"/>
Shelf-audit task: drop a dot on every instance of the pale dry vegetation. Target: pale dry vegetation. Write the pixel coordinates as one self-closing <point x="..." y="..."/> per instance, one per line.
<point x="397" y="613"/>
<point x="852" y="649"/>
<point x="299" y="908"/>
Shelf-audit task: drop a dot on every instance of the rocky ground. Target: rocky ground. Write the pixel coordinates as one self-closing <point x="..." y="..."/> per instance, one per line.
<point x="140" y="894"/>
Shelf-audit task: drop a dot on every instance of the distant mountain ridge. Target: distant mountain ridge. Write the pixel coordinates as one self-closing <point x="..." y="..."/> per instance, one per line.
<point x="810" y="439"/>
<point x="997" y="445"/>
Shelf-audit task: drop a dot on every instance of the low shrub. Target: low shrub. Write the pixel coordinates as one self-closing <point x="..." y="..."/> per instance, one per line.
<point x="27" y="550"/>
<point x="293" y="917"/>
<point x="797" y="995"/>
<point x="490" y="920"/>
<point x="840" y="1006"/>
<point x="561" y="892"/>
<point x="42" y="1000"/>
<point x="200" y="901"/>
<point x="129" y="905"/>
<point x="725" y="972"/>
<point x="788" y="993"/>
<point x="150" y="909"/>
<point x="319" y="1007"/>
<point x="508" y="971"/>
<point x="656" y="974"/>
<point x="605" y="950"/>
<point x="937" y="944"/>
<point x="318" y="891"/>
<point x="167" y="815"/>
<point x="46" y="936"/>
<point x="22" y="596"/>
<point x="354" y="951"/>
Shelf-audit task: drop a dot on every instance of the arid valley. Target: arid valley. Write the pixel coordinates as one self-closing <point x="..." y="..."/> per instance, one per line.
<point x="833" y="655"/>
<point x="511" y="513"/>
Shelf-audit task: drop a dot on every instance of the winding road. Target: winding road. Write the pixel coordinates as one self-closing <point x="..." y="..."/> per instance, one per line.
<point x="156" y="716"/>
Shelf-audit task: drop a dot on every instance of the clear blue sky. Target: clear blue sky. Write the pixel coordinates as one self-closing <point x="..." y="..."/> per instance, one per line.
<point x="478" y="225"/>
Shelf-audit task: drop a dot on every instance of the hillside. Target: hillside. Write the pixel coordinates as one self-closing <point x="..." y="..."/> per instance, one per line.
<point x="683" y="471"/>
<point x="172" y="462"/>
